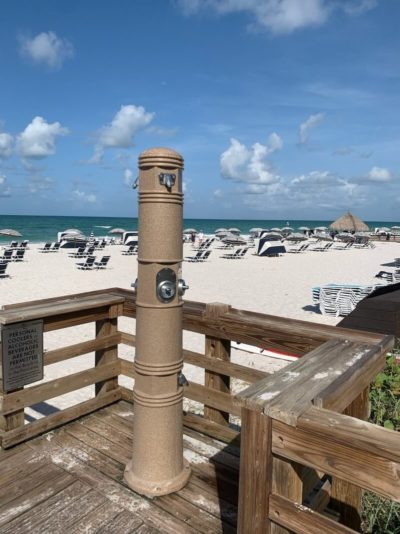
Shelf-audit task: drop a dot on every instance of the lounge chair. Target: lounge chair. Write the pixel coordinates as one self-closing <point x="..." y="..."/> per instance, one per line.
<point x="102" y="264"/>
<point x="7" y="255"/>
<point x="233" y="256"/>
<point x="46" y="248"/>
<point x="204" y="256"/>
<point x="132" y="250"/>
<point x="78" y="254"/>
<point x="297" y="250"/>
<point x="55" y="247"/>
<point x="19" y="255"/>
<point x="196" y="257"/>
<point x="3" y="267"/>
<point x="88" y="264"/>
<point x="24" y="245"/>
<point x="14" y="244"/>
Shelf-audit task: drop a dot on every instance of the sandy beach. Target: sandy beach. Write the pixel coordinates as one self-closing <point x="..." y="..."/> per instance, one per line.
<point x="278" y="286"/>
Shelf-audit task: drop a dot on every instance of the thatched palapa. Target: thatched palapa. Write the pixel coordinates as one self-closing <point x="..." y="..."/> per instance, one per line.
<point x="349" y="223"/>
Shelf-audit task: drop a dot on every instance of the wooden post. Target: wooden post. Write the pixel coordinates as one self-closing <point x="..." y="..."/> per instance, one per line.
<point x="106" y="327"/>
<point x="286" y="482"/>
<point x="345" y="497"/>
<point x="221" y="350"/>
<point x="255" y="478"/>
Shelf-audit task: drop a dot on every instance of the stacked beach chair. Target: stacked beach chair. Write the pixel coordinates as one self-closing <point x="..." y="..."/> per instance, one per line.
<point x="340" y="300"/>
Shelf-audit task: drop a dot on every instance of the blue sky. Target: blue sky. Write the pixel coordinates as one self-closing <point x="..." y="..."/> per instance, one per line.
<point x="281" y="108"/>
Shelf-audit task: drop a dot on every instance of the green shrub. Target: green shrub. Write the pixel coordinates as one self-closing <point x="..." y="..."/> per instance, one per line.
<point x="379" y="515"/>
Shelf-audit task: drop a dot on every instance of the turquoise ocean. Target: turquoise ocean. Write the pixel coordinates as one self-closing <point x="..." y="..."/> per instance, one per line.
<point x="44" y="228"/>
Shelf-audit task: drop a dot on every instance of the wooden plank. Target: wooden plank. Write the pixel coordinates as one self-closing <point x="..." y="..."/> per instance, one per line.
<point x="57" y="308"/>
<point x="98" y="518"/>
<point x="211" y="397"/>
<point x="343" y="460"/>
<point x="196" y="422"/>
<point x="37" y="495"/>
<point x="109" y="355"/>
<point x="24" y="522"/>
<point x="123" y="523"/>
<point x="289" y="392"/>
<point x="92" y="457"/>
<point x="247" y="374"/>
<point x="218" y="349"/>
<point x="346" y="497"/>
<point x="363" y="436"/>
<point x="72" y="296"/>
<point x="59" y="521"/>
<point x="321" y="498"/>
<point x="53" y="388"/>
<point x="134" y="503"/>
<point x="127" y="368"/>
<point x="286" y="482"/>
<point x="255" y="473"/>
<point x="347" y="386"/>
<point x="128" y="339"/>
<point x="74" y="319"/>
<point x="209" y="428"/>
<point x="78" y="349"/>
<point x="301" y="519"/>
<point x="57" y="419"/>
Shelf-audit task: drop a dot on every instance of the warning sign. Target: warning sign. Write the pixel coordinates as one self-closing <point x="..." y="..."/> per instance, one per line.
<point x="22" y="354"/>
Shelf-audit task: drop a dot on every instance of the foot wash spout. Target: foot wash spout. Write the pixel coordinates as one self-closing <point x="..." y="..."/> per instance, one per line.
<point x="157" y="466"/>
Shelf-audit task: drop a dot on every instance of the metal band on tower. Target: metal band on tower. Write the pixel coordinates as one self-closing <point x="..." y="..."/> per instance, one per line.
<point x="157" y="466"/>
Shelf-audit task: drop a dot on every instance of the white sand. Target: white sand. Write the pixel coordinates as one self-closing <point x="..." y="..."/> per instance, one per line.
<point x="278" y="286"/>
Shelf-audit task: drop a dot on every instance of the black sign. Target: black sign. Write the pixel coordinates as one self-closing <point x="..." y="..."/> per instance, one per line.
<point x="22" y="354"/>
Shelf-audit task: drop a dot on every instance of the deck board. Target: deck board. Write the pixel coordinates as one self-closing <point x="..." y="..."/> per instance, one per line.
<point x="72" y="480"/>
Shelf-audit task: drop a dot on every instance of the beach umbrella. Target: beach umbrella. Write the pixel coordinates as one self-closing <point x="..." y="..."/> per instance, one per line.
<point x="274" y="230"/>
<point x="320" y="228"/>
<point x="325" y="237"/>
<point x="10" y="232"/>
<point x="233" y="239"/>
<point x="287" y="229"/>
<point x="254" y="230"/>
<point x="395" y="227"/>
<point x="296" y="236"/>
<point x="349" y="222"/>
<point x="190" y="231"/>
<point x="220" y="230"/>
<point x="274" y="235"/>
<point x="117" y="231"/>
<point x="72" y="231"/>
<point x="384" y="229"/>
<point x="234" y="230"/>
<point x="304" y="228"/>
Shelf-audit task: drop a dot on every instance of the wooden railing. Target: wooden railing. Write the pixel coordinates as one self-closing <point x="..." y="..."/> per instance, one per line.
<point x="303" y="442"/>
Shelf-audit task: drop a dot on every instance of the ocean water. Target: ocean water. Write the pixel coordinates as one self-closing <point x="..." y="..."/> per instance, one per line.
<point x="44" y="228"/>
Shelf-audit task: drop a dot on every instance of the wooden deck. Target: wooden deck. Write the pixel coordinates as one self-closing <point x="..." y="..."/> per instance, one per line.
<point x="71" y="480"/>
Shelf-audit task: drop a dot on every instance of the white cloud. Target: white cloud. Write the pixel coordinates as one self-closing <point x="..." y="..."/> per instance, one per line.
<point x="128" y="177"/>
<point x="6" y="145"/>
<point x="82" y="196"/>
<point x="240" y="164"/>
<point x="379" y="174"/>
<point x="121" y="130"/>
<point x="38" y="183"/>
<point x="5" y="190"/>
<point x="218" y="193"/>
<point x="306" y="126"/>
<point x="46" y="48"/>
<point x="279" y="16"/>
<point x="38" y="140"/>
<point x="357" y="7"/>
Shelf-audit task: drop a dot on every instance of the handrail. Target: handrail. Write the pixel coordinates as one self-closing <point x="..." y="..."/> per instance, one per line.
<point x="289" y="419"/>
